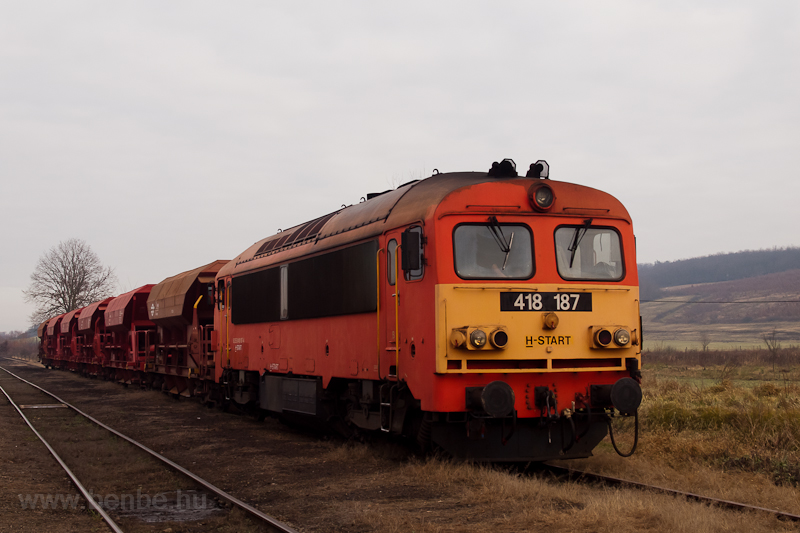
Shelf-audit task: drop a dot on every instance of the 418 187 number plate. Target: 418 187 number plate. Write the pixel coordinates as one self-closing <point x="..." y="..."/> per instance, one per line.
<point x="545" y="301"/>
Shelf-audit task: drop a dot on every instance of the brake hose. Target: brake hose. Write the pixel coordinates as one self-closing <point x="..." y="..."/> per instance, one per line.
<point x="635" y="435"/>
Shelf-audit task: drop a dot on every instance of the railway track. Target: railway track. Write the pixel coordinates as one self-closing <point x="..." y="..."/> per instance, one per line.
<point x="271" y="523"/>
<point x="579" y="475"/>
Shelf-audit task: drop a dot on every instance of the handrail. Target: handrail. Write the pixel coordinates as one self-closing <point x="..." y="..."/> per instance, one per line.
<point x="228" y="287"/>
<point x="378" y="304"/>
<point x="397" y="313"/>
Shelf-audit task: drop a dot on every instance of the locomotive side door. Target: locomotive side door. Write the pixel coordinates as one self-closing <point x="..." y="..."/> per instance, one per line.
<point x="223" y="335"/>
<point x="389" y="305"/>
<point x="402" y="266"/>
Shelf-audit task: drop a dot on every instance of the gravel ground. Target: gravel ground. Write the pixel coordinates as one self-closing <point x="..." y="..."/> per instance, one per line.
<point x="293" y="475"/>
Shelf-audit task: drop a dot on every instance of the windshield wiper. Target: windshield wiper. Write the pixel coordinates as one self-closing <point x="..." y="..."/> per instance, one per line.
<point x="500" y="238"/>
<point x="576" y="239"/>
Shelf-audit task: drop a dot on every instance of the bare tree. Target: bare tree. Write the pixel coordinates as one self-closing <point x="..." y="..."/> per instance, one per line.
<point x="705" y="340"/>
<point x="773" y="345"/>
<point x="67" y="277"/>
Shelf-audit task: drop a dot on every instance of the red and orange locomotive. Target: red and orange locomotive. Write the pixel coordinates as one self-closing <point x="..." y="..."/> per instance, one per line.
<point x="490" y="315"/>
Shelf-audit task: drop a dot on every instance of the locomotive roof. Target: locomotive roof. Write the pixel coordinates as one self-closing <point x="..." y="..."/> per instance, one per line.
<point x="405" y="205"/>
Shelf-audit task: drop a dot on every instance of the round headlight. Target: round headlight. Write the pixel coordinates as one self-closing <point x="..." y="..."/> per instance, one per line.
<point x="477" y="338"/>
<point x="603" y="337"/>
<point x="622" y="337"/>
<point x="542" y="197"/>
<point x="457" y="338"/>
<point x="499" y="338"/>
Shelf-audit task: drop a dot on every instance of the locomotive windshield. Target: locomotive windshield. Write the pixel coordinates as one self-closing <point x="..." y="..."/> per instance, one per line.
<point x="591" y="253"/>
<point x="493" y="251"/>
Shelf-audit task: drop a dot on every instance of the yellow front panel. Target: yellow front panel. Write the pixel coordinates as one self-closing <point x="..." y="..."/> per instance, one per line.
<point x="532" y="346"/>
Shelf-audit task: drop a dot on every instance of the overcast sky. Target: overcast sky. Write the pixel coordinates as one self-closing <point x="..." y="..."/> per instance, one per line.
<point x="170" y="134"/>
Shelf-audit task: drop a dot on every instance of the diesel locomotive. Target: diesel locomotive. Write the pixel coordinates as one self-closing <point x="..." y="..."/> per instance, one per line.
<point x="487" y="314"/>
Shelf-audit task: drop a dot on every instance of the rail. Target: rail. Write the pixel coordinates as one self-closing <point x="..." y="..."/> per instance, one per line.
<point x="271" y="523"/>
<point x="610" y="480"/>
<point x="86" y="495"/>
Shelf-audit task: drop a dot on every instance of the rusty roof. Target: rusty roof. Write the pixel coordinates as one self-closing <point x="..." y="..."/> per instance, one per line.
<point x="168" y="298"/>
<point x="408" y="203"/>
<point x="41" y="329"/>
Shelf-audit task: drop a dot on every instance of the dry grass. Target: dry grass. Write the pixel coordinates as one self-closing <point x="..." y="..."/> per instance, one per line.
<point x="736" y="439"/>
<point x="663" y="357"/>
<point x="727" y="425"/>
<point x="468" y="497"/>
<point x="712" y="435"/>
<point x="693" y="430"/>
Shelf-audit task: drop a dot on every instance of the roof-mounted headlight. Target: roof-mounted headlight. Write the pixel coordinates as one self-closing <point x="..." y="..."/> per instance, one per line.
<point x="541" y="197"/>
<point x="540" y="170"/>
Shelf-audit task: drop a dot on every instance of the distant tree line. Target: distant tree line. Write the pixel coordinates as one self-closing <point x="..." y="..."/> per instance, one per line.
<point x="18" y="343"/>
<point x="712" y="268"/>
<point x="13" y="335"/>
<point x="774" y="356"/>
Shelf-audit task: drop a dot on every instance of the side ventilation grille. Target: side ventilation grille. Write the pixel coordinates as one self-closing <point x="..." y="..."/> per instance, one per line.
<point x="298" y="235"/>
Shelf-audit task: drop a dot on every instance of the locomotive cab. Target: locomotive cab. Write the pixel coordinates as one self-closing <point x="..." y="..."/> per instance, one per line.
<point x="536" y="308"/>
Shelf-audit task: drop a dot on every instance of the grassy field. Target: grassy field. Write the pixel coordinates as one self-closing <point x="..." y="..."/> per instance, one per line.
<point x="658" y="336"/>
<point x="728" y="429"/>
<point x="728" y="410"/>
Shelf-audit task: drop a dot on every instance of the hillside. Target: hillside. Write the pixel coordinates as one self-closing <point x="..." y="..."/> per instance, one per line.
<point x="732" y="299"/>
<point x="697" y="304"/>
<point x="654" y="277"/>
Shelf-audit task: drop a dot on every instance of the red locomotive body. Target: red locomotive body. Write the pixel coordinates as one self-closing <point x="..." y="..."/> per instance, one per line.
<point x="369" y="316"/>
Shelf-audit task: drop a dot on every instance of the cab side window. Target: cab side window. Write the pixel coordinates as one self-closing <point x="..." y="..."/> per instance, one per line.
<point x="391" y="251"/>
<point x="412" y="250"/>
<point x="221" y="295"/>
